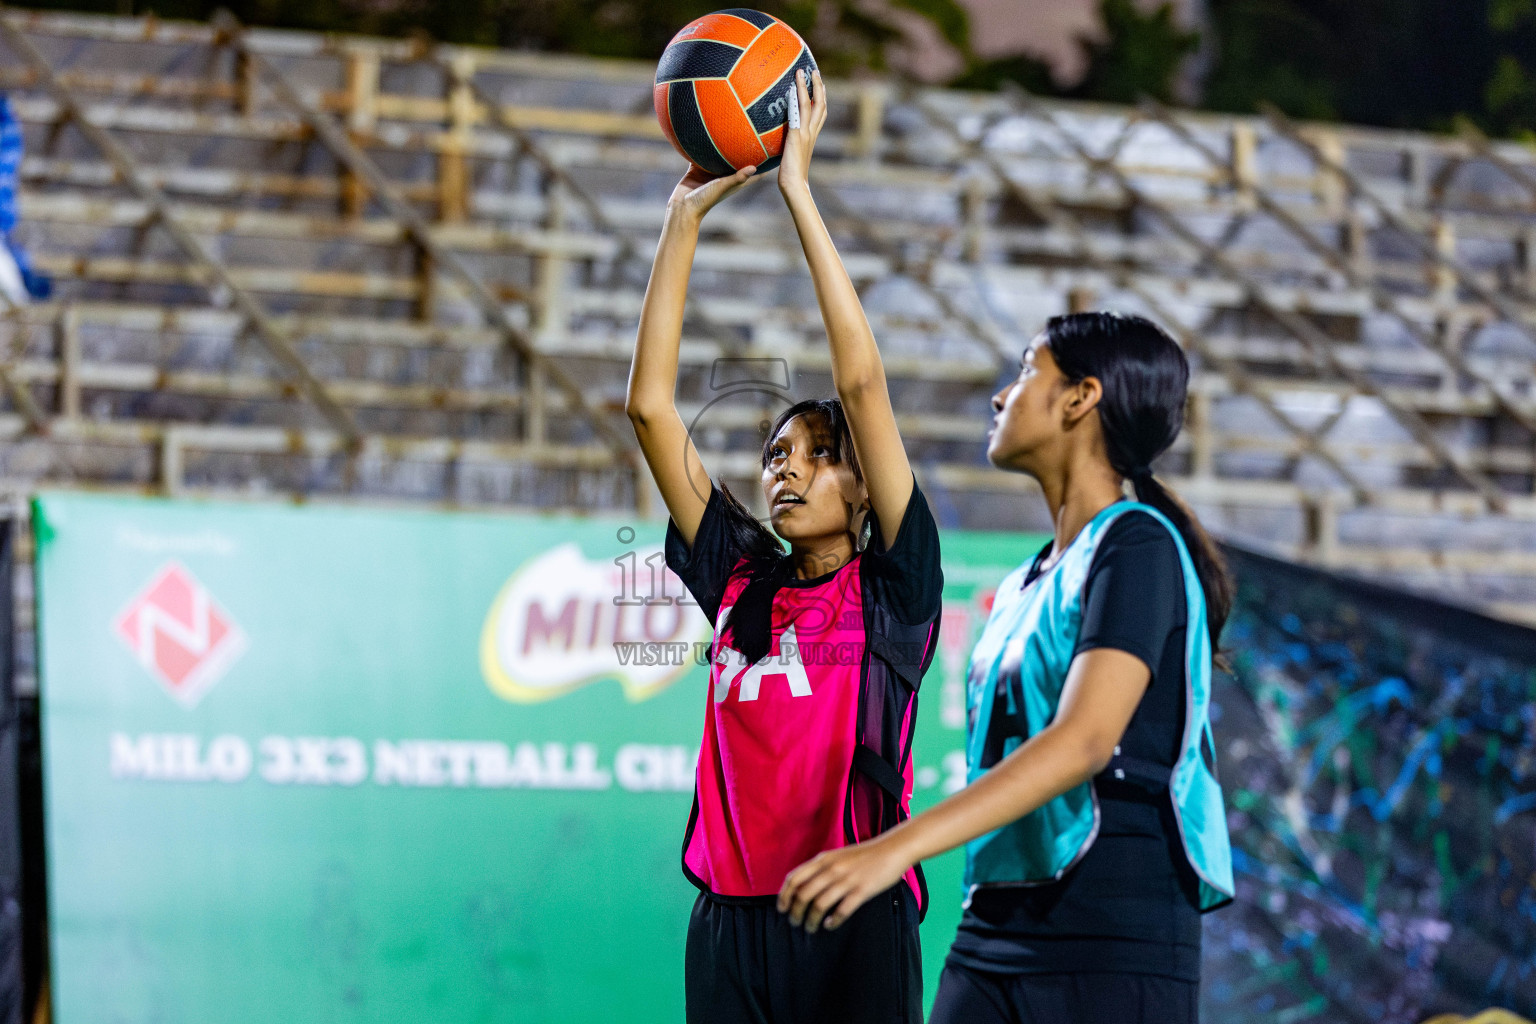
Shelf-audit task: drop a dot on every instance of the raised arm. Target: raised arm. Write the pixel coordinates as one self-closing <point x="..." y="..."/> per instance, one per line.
<point x="651" y="400"/>
<point x="857" y="372"/>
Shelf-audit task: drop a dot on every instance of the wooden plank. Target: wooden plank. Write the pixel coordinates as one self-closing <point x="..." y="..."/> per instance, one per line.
<point x="1424" y="559"/>
<point x="1442" y="276"/>
<point x="637" y="74"/>
<point x="1265" y="352"/>
<point x="164" y="120"/>
<point x="45" y="207"/>
<point x="1244" y="147"/>
<point x="247" y="89"/>
<point x="131" y="213"/>
<point x="69" y="362"/>
<point x="564" y="120"/>
<point x="871" y="102"/>
<point x="968" y="478"/>
<point x="132" y="86"/>
<point x="117" y="376"/>
<point x="491" y="305"/>
<point x="462" y="115"/>
<point x="361" y="112"/>
<point x="1198" y="428"/>
<point x="227" y="291"/>
<point x="20" y="490"/>
<point x="214" y="182"/>
<point x="122" y="30"/>
<point x="855" y="174"/>
<point x="278" y="441"/>
<point x="335" y="284"/>
<point x="172" y="461"/>
<point x="811" y="356"/>
<point x="925" y="426"/>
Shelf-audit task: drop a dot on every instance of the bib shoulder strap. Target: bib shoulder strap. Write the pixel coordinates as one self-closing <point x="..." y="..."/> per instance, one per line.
<point x="879" y="770"/>
<point x="1120" y="508"/>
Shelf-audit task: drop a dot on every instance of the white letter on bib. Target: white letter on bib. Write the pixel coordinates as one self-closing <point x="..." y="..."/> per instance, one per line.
<point x="790" y="668"/>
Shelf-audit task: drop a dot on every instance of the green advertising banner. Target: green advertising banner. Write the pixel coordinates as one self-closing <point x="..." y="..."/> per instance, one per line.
<point x="327" y="764"/>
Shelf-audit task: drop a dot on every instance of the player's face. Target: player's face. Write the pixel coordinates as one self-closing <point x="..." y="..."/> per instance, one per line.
<point x="1025" y="415"/>
<point x="810" y="492"/>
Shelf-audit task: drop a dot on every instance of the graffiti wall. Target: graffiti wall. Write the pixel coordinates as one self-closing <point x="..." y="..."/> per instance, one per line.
<point x="1379" y="758"/>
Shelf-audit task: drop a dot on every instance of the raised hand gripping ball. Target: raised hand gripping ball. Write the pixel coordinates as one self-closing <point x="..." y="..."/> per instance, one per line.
<point x="724" y="88"/>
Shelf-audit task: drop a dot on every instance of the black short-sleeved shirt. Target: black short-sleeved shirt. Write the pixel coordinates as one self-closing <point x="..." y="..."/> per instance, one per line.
<point x="907" y="578"/>
<point x="1132" y="903"/>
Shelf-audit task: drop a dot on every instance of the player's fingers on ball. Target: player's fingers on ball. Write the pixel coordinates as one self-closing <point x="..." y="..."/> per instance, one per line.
<point x="722" y="187"/>
<point x="741" y="177"/>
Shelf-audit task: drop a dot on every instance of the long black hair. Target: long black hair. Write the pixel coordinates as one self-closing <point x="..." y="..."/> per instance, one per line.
<point x="1145" y="379"/>
<point x="768" y="566"/>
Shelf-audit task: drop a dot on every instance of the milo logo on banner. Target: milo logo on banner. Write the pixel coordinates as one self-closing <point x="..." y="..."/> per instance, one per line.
<point x="563" y="621"/>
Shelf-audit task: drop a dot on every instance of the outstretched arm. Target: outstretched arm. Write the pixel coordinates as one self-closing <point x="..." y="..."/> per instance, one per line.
<point x="857" y="371"/>
<point x="651" y="400"/>
<point x="1103" y="688"/>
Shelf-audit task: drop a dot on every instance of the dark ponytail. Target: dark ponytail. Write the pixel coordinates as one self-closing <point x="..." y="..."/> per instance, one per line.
<point x="1145" y="379"/>
<point x="768" y="567"/>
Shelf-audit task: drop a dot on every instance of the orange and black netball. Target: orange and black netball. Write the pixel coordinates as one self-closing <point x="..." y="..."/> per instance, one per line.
<point x="724" y="87"/>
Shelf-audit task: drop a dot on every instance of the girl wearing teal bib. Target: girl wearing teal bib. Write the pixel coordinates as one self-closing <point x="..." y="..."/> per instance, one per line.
<point x="1093" y="823"/>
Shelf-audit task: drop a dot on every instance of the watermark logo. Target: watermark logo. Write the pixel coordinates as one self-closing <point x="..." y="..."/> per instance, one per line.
<point x="738" y="384"/>
<point x="180" y="634"/>
<point x="563" y="621"/>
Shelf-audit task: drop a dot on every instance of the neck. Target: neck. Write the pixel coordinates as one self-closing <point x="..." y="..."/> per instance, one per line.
<point x="1075" y="494"/>
<point x="822" y="555"/>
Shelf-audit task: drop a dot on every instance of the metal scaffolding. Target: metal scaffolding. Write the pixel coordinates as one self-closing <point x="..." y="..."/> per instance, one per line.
<point x="439" y="253"/>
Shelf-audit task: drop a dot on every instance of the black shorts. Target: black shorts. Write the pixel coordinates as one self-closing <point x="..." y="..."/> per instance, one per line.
<point x="968" y="996"/>
<point x="746" y="964"/>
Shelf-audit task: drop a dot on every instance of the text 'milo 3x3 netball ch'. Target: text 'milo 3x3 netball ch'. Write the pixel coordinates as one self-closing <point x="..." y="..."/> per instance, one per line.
<point x="724" y="87"/>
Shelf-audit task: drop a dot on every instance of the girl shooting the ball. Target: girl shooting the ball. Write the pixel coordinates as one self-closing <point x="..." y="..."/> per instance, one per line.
<point x="817" y="651"/>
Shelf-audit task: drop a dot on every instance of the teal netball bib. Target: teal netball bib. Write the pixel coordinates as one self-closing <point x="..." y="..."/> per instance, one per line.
<point x="1016" y="675"/>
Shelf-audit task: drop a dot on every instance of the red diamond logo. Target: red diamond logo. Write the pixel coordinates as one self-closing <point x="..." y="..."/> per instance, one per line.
<point x="180" y="634"/>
